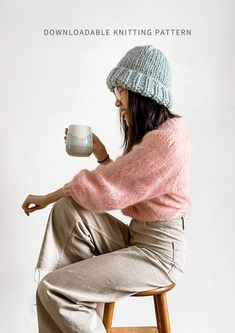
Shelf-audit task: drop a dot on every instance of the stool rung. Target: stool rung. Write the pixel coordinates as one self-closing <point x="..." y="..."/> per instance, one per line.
<point x="144" y="329"/>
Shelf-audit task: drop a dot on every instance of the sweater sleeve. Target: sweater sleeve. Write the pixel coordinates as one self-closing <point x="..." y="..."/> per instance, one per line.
<point x="148" y="170"/>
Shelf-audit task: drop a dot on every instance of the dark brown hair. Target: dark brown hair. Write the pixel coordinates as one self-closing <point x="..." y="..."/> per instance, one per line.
<point x="145" y="115"/>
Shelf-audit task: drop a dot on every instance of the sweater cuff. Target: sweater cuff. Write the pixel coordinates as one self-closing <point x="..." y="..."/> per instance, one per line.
<point x="67" y="191"/>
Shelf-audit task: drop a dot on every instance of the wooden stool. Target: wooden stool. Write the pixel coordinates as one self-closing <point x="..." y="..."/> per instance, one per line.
<point x="161" y="312"/>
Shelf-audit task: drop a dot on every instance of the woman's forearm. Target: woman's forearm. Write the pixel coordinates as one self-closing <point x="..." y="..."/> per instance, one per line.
<point x="54" y="196"/>
<point x="41" y="201"/>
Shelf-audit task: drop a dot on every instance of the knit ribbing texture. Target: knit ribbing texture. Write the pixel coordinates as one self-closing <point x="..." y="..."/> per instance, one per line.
<point x="145" y="70"/>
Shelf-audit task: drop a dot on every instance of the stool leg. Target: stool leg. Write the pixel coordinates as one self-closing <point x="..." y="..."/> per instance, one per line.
<point x="157" y="314"/>
<point x="162" y="314"/>
<point x="108" y="316"/>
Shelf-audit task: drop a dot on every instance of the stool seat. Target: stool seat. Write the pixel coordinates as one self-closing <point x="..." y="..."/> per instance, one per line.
<point x="161" y="312"/>
<point x="156" y="291"/>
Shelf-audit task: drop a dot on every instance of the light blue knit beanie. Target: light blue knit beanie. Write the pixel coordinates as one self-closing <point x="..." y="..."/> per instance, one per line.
<point x="145" y="70"/>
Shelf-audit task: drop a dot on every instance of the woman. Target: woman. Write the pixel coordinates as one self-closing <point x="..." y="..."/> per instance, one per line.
<point x="150" y="183"/>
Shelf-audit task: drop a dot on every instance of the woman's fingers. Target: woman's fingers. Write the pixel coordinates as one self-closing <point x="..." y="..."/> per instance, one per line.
<point x="33" y="203"/>
<point x="32" y="209"/>
<point x="26" y="203"/>
<point x="26" y="207"/>
<point x="65" y="132"/>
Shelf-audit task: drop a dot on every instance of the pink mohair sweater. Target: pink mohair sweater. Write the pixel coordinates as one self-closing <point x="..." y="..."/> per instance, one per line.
<point x="151" y="182"/>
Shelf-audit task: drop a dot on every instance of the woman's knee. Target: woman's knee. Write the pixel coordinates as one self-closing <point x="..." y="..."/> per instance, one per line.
<point x="62" y="203"/>
<point x="42" y="289"/>
<point x="62" y="208"/>
<point x="47" y="283"/>
<point x="66" y="203"/>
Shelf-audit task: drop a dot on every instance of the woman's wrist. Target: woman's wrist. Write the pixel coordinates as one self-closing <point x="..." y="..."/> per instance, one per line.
<point x="103" y="160"/>
<point x="101" y="154"/>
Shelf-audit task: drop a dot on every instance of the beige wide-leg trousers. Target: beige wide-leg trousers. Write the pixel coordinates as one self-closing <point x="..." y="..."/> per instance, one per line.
<point x="95" y="258"/>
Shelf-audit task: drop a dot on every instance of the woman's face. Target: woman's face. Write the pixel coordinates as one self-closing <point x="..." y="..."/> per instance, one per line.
<point x="121" y="102"/>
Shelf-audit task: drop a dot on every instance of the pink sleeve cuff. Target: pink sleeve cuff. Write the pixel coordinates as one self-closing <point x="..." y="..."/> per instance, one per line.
<point x="66" y="190"/>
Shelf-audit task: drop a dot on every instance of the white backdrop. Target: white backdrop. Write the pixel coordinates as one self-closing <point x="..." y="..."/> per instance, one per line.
<point x="48" y="82"/>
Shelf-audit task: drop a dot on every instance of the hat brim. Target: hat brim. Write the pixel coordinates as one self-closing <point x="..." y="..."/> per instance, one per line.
<point x="139" y="83"/>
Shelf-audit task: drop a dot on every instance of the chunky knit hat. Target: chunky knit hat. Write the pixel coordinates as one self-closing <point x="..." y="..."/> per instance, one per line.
<point x="145" y="70"/>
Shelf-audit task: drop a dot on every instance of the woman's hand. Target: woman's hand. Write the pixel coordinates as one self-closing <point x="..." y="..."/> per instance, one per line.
<point x="99" y="149"/>
<point x="39" y="202"/>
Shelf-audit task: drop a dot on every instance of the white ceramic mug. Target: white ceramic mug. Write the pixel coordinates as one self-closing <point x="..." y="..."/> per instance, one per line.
<point x="79" y="141"/>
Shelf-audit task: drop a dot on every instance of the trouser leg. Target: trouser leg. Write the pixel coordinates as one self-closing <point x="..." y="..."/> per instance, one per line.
<point x="74" y="233"/>
<point x="70" y="294"/>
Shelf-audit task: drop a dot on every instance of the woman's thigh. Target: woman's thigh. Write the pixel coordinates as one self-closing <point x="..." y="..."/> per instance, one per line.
<point x="74" y="233"/>
<point x="108" y="232"/>
<point x="107" y="277"/>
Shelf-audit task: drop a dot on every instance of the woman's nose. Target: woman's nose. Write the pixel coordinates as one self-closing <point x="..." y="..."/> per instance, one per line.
<point x="118" y="103"/>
